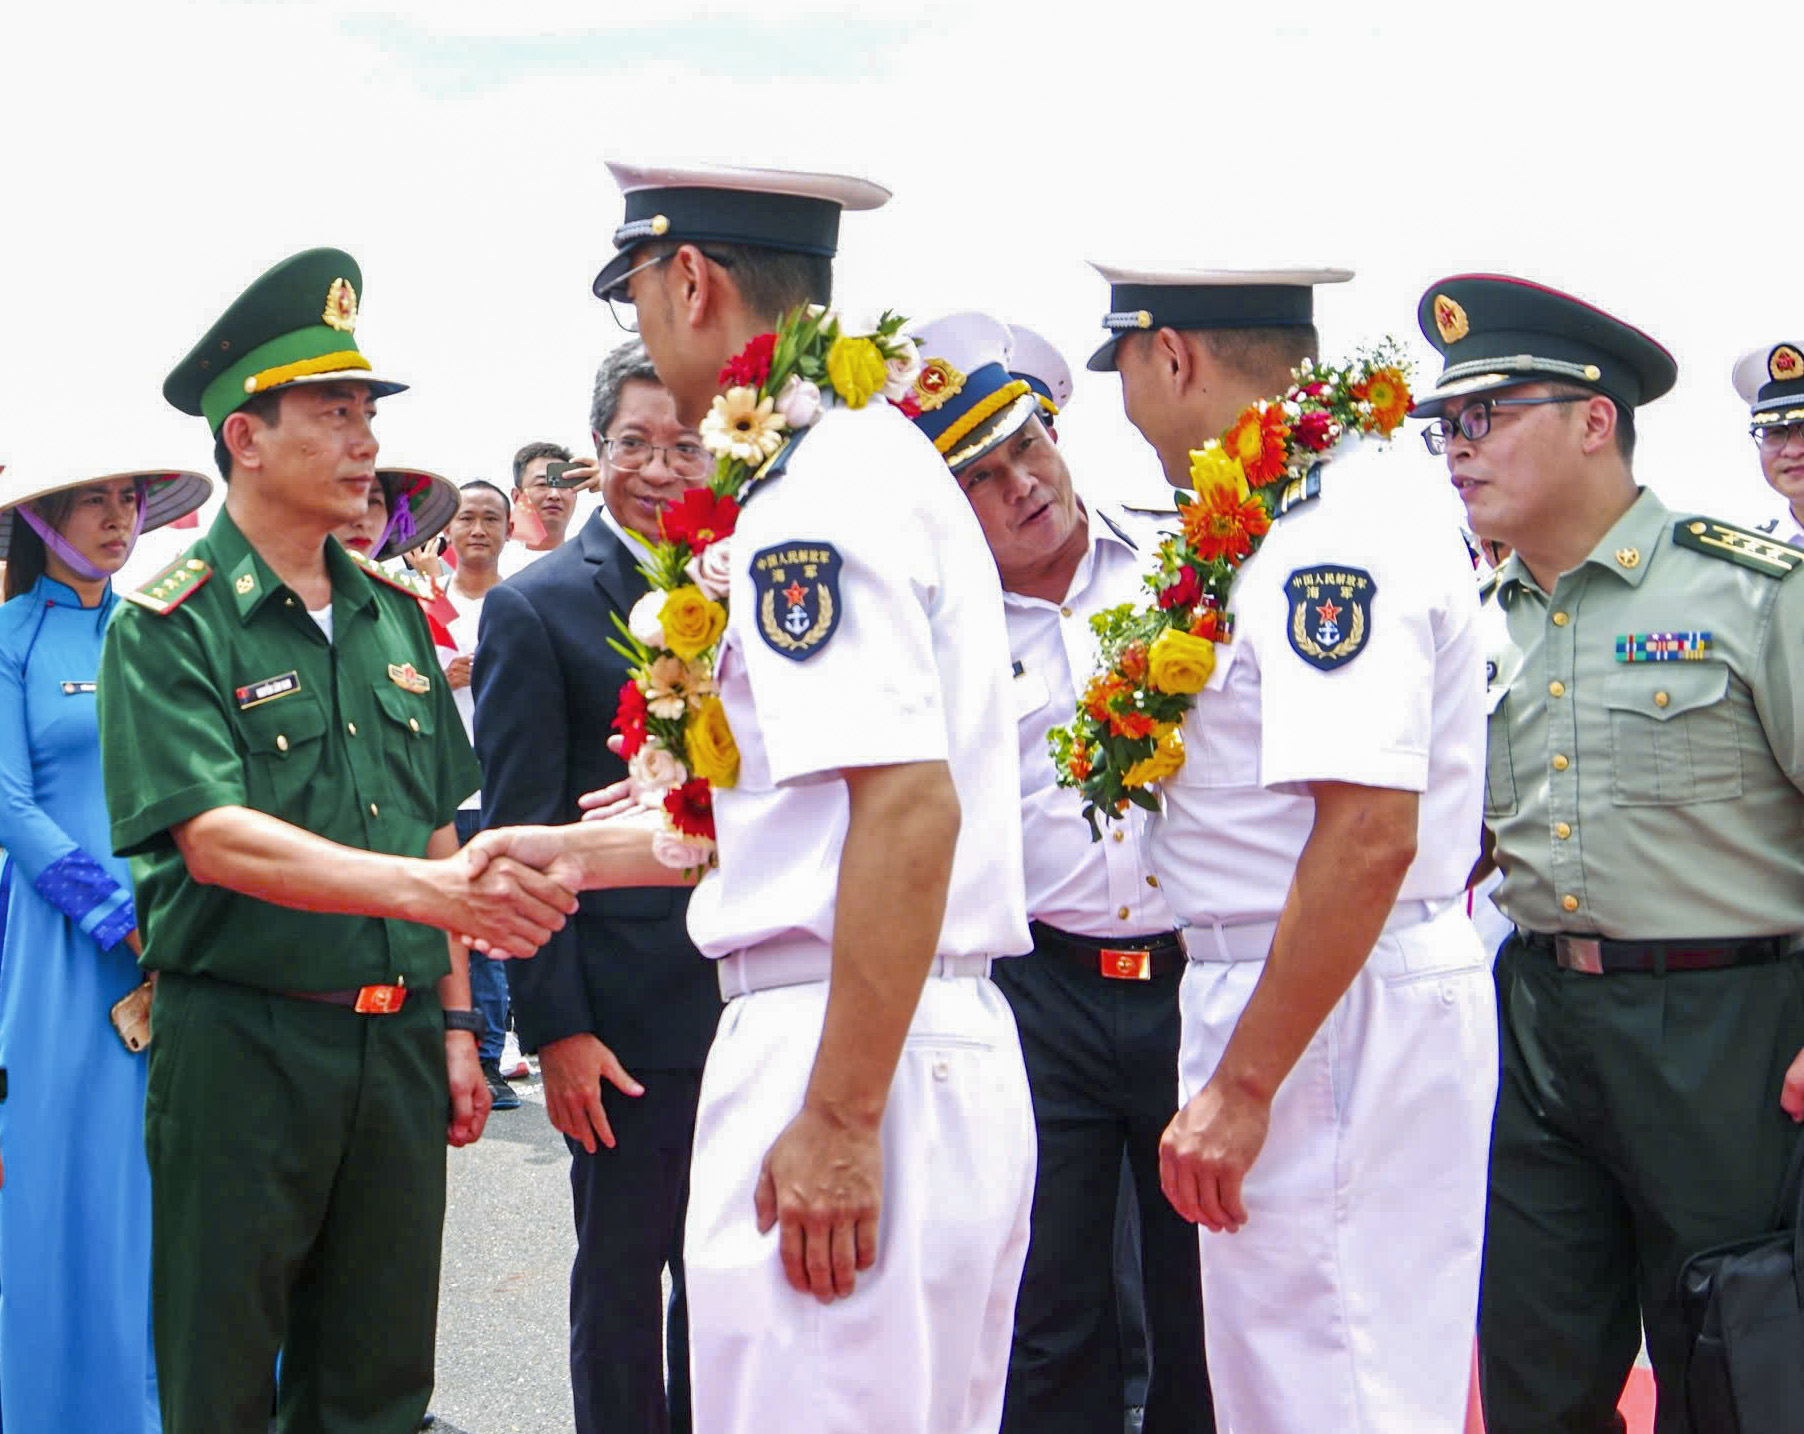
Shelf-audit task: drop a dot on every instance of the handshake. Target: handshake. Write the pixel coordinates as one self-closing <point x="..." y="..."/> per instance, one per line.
<point x="509" y="889"/>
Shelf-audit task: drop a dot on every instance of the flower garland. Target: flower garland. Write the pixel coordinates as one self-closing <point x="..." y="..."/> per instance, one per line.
<point x="673" y="727"/>
<point x="1124" y="737"/>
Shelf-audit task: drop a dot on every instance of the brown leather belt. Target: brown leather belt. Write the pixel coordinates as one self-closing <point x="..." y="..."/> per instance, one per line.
<point x="1120" y="958"/>
<point x="365" y="1000"/>
<point x="1596" y="956"/>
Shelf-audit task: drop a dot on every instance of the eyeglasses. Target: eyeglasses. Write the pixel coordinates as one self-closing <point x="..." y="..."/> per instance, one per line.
<point x="632" y="454"/>
<point x="1474" y="420"/>
<point x="1773" y="436"/>
<point x="624" y="310"/>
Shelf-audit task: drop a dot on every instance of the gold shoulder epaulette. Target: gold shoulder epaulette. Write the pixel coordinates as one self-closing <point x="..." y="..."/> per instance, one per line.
<point x="1738" y="545"/>
<point x="382" y="575"/>
<point x="172" y="587"/>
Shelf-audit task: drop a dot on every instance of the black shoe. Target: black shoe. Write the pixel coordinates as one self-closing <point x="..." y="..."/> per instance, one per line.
<point x="501" y="1093"/>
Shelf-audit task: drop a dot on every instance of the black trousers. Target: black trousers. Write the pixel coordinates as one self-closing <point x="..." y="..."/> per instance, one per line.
<point x="1102" y="1062"/>
<point x="629" y="1205"/>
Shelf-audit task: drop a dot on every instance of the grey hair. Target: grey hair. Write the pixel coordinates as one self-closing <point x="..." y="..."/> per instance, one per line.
<point x="618" y="369"/>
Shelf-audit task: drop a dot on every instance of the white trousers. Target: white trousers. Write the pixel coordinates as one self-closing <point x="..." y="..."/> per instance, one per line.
<point x="1349" y="1299"/>
<point x="922" y="1344"/>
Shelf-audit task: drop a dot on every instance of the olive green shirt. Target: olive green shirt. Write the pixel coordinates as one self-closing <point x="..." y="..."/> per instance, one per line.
<point x="1644" y="800"/>
<point x="234" y="697"/>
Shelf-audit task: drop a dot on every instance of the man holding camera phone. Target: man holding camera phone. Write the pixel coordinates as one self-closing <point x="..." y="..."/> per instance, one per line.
<point x="546" y="480"/>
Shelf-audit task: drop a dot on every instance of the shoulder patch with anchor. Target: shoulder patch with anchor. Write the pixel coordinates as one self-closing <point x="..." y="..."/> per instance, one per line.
<point x="172" y="587"/>
<point x="1330" y="614"/>
<point x="795" y="586"/>
<point x="1738" y="545"/>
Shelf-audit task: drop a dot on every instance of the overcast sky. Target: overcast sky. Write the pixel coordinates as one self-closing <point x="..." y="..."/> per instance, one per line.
<point x="158" y="156"/>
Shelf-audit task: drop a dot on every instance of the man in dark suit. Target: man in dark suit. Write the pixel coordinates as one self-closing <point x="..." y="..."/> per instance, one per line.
<point x="620" y="989"/>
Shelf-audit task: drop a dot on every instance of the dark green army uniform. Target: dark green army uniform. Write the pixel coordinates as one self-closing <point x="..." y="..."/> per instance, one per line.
<point x="1645" y="759"/>
<point x="297" y="1147"/>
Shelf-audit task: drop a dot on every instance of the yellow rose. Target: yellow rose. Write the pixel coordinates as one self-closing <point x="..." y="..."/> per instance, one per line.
<point x="856" y="369"/>
<point x="713" y="754"/>
<point x="1177" y="662"/>
<point x="1167" y="757"/>
<point x="1212" y="467"/>
<point x="692" y="623"/>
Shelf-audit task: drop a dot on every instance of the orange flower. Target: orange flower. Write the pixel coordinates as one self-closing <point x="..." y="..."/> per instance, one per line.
<point x="1206" y="623"/>
<point x="1132" y="662"/>
<point x="1101" y="691"/>
<point x="1259" y="440"/>
<point x="1130" y="724"/>
<point x="1388" y="393"/>
<point x="1223" y="525"/>
<point x="1080" y="765"/>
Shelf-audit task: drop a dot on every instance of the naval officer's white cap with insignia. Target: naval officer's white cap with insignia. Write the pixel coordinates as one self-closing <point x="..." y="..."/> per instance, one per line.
<point x="795" y="211"/>
<point x="168" y="493"/>
<point x="1181" y="298"/>
<point x="1035" y="358"/>
<point x="1770" y="380"/>
<point x="965" y="398"/>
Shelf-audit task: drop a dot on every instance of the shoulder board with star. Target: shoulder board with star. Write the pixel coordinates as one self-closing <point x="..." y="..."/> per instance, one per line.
<point x="381" y="574"/>
<point x="1299" y="491"/>
<point x="1738" y="545"/>
<point x="172" y="587"/>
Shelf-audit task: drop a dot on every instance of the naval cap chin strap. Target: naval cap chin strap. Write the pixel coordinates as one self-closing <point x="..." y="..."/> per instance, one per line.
<point x="72" y="556"/>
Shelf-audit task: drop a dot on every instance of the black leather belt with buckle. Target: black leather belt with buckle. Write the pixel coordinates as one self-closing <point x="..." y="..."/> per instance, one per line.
<point x="1120" y="958"/>
<point x="1596" y="956"/>
<point x="364" y="1000"/>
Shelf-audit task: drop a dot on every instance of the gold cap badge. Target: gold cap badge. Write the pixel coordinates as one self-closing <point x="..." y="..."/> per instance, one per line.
<point x="341" y="306"/>
<point x="1785" y="364"/>
<point x="938" y="382"/>
<point x="244" y="584"/>
<point x="1629" y="557"/>
<point x="1450" y="319"/>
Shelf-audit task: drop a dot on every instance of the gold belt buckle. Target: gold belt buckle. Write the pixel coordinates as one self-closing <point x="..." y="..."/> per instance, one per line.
<point x="379" y="1000"/>
<point x="1126" y="965"/>
<point x="1579" y="953"/>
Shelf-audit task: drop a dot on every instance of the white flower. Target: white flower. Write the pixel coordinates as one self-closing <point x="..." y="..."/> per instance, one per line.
<point x="652" y="771"/>
<point x="684" y="853"/>
<point x="711" y="570"/>
<point x="643" y="621"/>
<point x="904" y="365"/>
<point x="861" y="324"/>
<point x="667" y="687"/>
<point x="741" y="425"/>
<point x="799" y="403"/>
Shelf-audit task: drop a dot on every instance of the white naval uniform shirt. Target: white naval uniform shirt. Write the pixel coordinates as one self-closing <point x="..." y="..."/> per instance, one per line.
<point x="916" y="671"/>
<point x="1086" y="887"/>
<point x="1406" y="712"/>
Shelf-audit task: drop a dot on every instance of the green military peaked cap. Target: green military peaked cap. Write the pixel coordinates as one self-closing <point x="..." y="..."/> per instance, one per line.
<point x="1495" y="331"/>
<point x="294" y="325"/>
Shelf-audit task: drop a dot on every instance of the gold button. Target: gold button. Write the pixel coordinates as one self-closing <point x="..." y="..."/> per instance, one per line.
<point x="351" y="727"/>
<point x="1064" y="612"/>
<point x="1119" y="834"/>
<point x="1152" y="881"/>
<point x="287" y="602"/>
<point x="1560" y="619"/>
<point x="1556" y="689"/>
<point x="1661" y="699"/>
<point x="281" y="742"/>
<point x="413" y="725"/>
<point x="375" y="811"/>
<point x="1123" y="914"/>
<point x="1569" y="903"/>
<point x="1562" y="830"/>
<point x="1560" y="763"/>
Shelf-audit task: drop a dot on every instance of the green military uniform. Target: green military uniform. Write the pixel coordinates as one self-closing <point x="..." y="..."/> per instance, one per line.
<point x="296" y="1146"/>
<point x="1646" y="750"/>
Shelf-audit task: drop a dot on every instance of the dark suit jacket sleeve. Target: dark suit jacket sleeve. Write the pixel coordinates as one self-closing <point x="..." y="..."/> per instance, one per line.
<point x="523" y="744"/>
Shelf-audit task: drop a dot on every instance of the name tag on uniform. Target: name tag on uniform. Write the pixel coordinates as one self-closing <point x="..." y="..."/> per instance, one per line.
<point x="1662" y="646"/>
<point x="71" y="689"/>
<point x="270" y="688"/>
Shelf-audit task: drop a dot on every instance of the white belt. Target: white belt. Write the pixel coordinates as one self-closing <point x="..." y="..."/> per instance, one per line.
<point x="1252" y="940"/>
<point x="766" y="967"/>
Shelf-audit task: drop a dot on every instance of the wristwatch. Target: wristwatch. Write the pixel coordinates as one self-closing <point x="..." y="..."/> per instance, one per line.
<point x="470" y="1021"/>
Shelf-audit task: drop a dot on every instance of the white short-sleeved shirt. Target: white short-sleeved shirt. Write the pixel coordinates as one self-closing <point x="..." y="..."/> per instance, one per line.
<point x="463" y="629"/>
<point x="1079" y="885"/>
<point x="1406" y="711"/>
<point x="916" y="670"/>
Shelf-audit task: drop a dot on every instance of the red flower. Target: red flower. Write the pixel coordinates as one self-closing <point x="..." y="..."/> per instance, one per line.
<point x="1184" y="590"/>
<point x="691" y="808"/>
<point x="1314" y="430"/>
<point x="629" y="718"/>
<point x="909" y="405"/>
<point x="699" y="518"/>
<point x="752" y="367"/>
<point x="1132" y="662"/>
<point x="1206" y="623"/>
